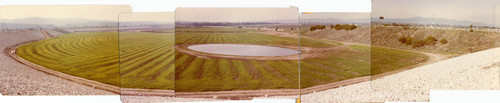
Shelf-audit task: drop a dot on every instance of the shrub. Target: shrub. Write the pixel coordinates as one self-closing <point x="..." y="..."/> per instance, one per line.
<point x="409" y="40"/>
<point x="345" y="27"/>
<point x="431" y="40"/>
<point x="317" y="27"/>
<point x="443" y="41"/>
<point x="402" y="40"/>
<point x="418" y="43"/>
<point x="470" y="30"/>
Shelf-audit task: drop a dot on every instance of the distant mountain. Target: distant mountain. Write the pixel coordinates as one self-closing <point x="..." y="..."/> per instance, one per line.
<point x="76" y="22"/>
<point x="143" y="23"/>
<point x="188" y="23"/>
<point x="284" y="21"/>
<point x="59" y="22"/>
<point x="428" y="20"/>
<point x="337" y="21"/>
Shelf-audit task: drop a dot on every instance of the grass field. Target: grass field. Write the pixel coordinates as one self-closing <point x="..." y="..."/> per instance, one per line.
<point x="147" y="61"/>
<point x="89" y="55"/>
<point x="146" y="58"/>
<point x="204" y="74"/>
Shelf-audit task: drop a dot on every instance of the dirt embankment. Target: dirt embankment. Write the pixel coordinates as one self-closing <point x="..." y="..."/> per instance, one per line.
<point x="459" y="41"/>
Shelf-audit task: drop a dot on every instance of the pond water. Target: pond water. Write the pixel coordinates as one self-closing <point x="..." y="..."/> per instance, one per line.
<point x="243" y="50"/>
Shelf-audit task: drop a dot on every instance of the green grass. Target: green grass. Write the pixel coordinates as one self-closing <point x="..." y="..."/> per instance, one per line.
<point x="147" y="61"/>
<point x="202" y="74"/>
<point x="384" y="59"/>
<point x="89" y="55"/>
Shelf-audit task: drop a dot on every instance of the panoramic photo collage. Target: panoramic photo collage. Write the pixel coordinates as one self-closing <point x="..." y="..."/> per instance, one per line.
<point x="398" y="52"/>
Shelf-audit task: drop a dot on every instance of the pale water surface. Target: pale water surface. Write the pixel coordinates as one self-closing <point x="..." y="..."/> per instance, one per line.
<point x="243" y="49"/>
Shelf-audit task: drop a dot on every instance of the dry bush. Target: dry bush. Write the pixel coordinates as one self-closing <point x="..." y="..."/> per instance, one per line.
<point x="317" y="27"/>
<point x="431" y="40"/>
<point x="443" y="41"/>
<point x="409" y="40"/>
<point x="345" y="27"/>
<point x="402" y="40"/>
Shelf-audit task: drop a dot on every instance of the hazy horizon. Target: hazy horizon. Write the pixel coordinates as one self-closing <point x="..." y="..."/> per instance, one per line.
<point x="336" y="15"/>
<point x="481" y="11"/>
<point x="235" y="14"/>
<point x="91" y="12"/>
<point x="148" y="17"/>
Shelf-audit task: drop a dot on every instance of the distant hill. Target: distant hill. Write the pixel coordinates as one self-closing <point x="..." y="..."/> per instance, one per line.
<point x="428" y="20"/>
<point x="337" y="21"/>
<point x="74" y="22"/>
<point x="59" y="22"/>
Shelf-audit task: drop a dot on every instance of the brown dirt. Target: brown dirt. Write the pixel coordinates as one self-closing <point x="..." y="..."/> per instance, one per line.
<point x="459" y="41"/>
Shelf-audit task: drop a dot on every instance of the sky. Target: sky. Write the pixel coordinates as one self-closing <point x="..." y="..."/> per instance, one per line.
<point x="497" y="15"/>
<point x="94" y="12"/>
<point x="235" y="14"/>
<point x="472" y="10"/>
<point x="336" y="15"/>
<point x="148" y="16"/>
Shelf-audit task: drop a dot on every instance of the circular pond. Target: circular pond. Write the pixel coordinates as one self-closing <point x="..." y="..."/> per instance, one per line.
<point x="243" y="50"/>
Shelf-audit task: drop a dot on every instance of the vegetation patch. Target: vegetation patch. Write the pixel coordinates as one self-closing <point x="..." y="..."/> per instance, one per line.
<point x="146" y="58"/>
<point x="317" y="27"/>
<point x="345" y="27"/>
<point x="443" y="41"/>
<point x="430" y="40"/>
<point x="92" y="56"/>
<point x="385" y="59"/>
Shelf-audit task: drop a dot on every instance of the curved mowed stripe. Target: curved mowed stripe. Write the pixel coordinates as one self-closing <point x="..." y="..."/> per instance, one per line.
<point x="195" y="74"/>
<point x="100" y="55"/>
<point x="204" y="74"/>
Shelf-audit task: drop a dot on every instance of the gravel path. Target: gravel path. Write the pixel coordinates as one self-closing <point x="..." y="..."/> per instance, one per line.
<point x="362" y="92"/>
<point x="18" y="79"/>
<point x="473" y="71"/>
<point x="476" y="71"/>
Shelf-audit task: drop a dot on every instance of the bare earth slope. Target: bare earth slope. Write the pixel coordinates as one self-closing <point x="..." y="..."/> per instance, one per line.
<point x="478" y="71"/>
<point x="18" y="79"/>
<point x="459" y="41"/>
